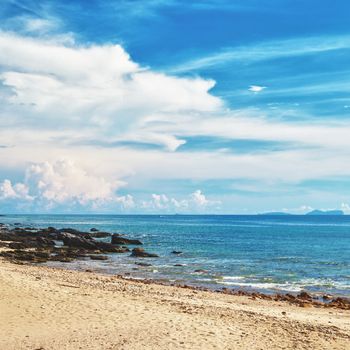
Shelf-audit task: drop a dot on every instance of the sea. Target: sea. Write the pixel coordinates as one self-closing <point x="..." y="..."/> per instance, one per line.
<point x="270" y="254"/>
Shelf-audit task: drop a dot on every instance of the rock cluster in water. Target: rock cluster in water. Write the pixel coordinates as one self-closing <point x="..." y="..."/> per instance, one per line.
<point x="64" y="245"/>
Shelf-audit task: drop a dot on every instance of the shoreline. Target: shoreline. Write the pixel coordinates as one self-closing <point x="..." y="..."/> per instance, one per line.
<point x="28" y="245"/>
<point x="301" y="299"/>
<point x="51" y="308"/>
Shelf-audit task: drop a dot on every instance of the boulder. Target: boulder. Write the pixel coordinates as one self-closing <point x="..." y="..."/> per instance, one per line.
<point x="98" y="257"/>
<point x="44" y="242"/>
<point x="304" y="296"/>
<point x="110" y="248"/>
<point x="71" y="240"/>
<point x="73" y="231"/>
<point x="176" y="252"/>
<point x="141" y="253"/>
<point x="142" y="264"/>
<point x="99" y="234"/>
<point x="117" y="239"/>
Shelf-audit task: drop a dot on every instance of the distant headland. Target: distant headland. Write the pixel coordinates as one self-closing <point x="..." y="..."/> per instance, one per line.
<point x="313" y="213"/>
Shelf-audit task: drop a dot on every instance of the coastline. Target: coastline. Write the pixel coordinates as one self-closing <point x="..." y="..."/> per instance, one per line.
<point x="50" y="308"/>
<point x="67" y="248"/>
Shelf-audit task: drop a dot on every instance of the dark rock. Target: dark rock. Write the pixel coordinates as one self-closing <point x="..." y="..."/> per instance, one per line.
<point x="99" y="234"/>
<point x="45" y="242"/>
<point x="94" y="229"/>
<point x="98" y="257"/>
<point x="304" y="296"/>
<point x="142" y="264"/>
<point x="71" y="240"/>
<point x="117" y="239"/>
<point x="200" y="271"/>
<point x="176" y="252"/>
<point x="110" y="248"/>
<point x="18" y="245"/>
<point x="139" y="252"/>
<point x="73" y="231"/>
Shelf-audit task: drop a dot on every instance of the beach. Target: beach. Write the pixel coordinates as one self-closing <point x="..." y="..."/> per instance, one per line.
<point x="50" y="308"/>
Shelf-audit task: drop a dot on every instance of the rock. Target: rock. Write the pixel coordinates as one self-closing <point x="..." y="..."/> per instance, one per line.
<point x="45" y="242"/>
<point x="18" y="245"/>
<point x="179" y="265"/>
<point x="142" y="264"/>
<point x="327" y="297"/>
<point x="304" y="296"/>
<point x="140" y="253"/>
<point x="98" y="257"/>
<point x="176" y="252"/>
<point x="94" y="229"/>
<point x="201" y="271"/>
<point x="71" y="240"/>
<point x="99" y="234"/>
<point x="73" y="231"/>
<point x="110" y="248"/>
<point x="117" y="239"/>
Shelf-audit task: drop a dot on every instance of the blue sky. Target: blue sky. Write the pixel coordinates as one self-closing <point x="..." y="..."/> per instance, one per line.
<point x="174" y="106"/>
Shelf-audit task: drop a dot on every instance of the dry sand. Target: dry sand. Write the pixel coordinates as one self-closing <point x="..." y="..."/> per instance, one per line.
<point x="45" y="308"/>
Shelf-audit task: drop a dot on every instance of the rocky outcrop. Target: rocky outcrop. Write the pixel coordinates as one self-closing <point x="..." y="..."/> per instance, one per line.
<point x="117" y="239"/>
<point x="72" y="240"/>
<point x="141" y="253"/>
<point x="39" y="245"/>
<point x="99" y="234"/>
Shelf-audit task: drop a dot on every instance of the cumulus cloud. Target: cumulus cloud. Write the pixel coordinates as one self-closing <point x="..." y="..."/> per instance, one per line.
<point x="102" y="88"/>
<point x="88" y="102"/>
<point x="63" y="183"/>
<point x="17" y="191"/>
<point x="194" y="202"/>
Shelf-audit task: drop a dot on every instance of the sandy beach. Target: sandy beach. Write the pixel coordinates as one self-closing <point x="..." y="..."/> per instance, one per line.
<point x="46" y="308"/>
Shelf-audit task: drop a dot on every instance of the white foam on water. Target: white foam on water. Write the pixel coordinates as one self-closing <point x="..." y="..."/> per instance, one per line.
<point x="274" y="286"/>
<point x="233" y="278"/>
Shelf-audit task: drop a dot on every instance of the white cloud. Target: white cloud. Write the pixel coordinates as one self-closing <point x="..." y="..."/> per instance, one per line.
<point x="58" y="98"/>
<point x="63" y="183"/>
<point x="270" y="50"/>
<point x="95" y="88"/>
<point x="199" y="199"/>
<point x="194" y="202"/>
<point x="256" y="88"/>
<point x="127" y="202"/>
<point x="345" y="207"/>
<point x="17" y="191"/>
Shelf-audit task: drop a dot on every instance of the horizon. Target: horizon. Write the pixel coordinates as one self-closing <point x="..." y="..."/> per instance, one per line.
<point x="168" y="107"/>
<point x="277" y="214"/>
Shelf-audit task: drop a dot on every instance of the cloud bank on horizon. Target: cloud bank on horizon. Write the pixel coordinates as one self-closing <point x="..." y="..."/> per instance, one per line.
<point x="108" y="116"/>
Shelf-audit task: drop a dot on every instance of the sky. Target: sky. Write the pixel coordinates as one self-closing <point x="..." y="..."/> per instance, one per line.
<point x="174" y="106"/>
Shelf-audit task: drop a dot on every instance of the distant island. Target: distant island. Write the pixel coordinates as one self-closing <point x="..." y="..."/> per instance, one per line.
<point x="313" y="212"/>
<point x="325" y="212"/>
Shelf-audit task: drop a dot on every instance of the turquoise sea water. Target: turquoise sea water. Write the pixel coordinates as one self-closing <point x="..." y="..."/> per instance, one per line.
<point x="266" y="253"/>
